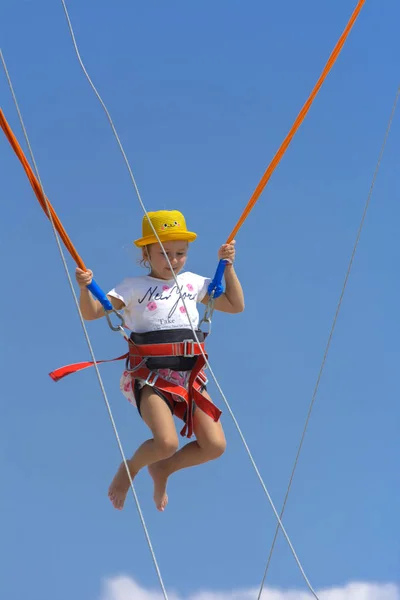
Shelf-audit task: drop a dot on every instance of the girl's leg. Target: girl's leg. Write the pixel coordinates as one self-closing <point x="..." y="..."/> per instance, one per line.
<point x="209" y="445"/>
<point x="157" y="416"/>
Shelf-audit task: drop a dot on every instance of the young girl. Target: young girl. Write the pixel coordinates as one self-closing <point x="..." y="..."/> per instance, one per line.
<point x="152" y="303"/>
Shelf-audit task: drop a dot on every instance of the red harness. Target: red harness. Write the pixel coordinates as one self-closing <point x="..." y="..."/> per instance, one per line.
<point x="137" y="356"/>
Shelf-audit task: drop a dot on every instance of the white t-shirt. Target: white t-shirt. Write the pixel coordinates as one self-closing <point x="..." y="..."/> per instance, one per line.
<point x="153" y="304"/>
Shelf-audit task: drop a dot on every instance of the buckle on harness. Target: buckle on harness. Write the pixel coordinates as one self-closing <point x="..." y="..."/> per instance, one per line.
<point x="188" y="349"/>
<point x="136" y="368"/>
<point x="151" y="379"/>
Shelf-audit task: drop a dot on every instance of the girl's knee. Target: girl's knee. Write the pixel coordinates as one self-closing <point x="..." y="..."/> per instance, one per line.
<point x="220" y="447"/>
<point x="216" y="447"/>
<point x="210" y="436"/>
<point x="166" y="445"/>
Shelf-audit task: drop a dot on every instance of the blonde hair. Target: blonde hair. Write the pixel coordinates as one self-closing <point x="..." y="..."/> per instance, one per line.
<point x="144" y="261"/>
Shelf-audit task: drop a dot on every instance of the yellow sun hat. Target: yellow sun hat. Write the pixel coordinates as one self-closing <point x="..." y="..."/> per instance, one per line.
<point x="169" y="224"/>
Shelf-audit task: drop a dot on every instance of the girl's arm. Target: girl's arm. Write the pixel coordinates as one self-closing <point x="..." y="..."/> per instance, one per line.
<point x="92" y="309"/>
<point x="232" y="300"/>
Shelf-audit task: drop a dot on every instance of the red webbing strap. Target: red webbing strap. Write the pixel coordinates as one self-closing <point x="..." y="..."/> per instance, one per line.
<point x="190" y="396"/>
<point x="135" y="351"/>
<point x="168" y="349"/>
<point x="74" y="368"/>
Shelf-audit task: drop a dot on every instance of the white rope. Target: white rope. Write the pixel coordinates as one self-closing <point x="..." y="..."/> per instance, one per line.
<point x="330" y="336"/>
<point x="86" y="334"/>
<point x="183" y="300"/>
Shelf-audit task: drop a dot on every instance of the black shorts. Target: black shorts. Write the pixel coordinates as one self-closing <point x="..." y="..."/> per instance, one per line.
<point x="137" y="390"/>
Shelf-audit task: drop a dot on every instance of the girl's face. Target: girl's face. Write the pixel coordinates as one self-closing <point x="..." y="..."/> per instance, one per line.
<point x="176" y="252"/>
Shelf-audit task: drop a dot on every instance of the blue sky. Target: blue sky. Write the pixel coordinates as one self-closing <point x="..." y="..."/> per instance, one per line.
<point x="202" y="95"/>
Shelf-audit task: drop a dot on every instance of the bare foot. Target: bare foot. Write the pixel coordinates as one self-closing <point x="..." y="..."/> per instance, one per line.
<point x="160" y="486"/>
<point x="119" y="487"/>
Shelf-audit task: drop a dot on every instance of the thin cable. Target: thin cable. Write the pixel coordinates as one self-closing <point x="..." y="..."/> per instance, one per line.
<point x="85" y="330"/>
<point x="183" y="300"/>
<point x="331" y="334"/>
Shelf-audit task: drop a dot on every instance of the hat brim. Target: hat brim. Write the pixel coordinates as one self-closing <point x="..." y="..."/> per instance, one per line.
<point x="187" y="236"/>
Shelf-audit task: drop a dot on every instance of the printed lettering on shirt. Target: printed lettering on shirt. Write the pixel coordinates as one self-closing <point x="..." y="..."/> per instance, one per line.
<point x="152" y="295"/>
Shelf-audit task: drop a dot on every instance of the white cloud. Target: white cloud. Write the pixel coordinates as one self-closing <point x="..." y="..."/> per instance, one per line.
<point x="125" y="588"/>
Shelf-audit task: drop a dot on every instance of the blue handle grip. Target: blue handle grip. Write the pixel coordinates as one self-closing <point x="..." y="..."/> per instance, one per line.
<point x="100" y="295"/>
<point x="216" y="284"/>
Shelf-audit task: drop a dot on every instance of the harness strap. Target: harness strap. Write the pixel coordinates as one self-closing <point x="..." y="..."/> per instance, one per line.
<point x="187" y="348"/>
<point x="190" y="396"/>
<point x="58" y="374"/>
